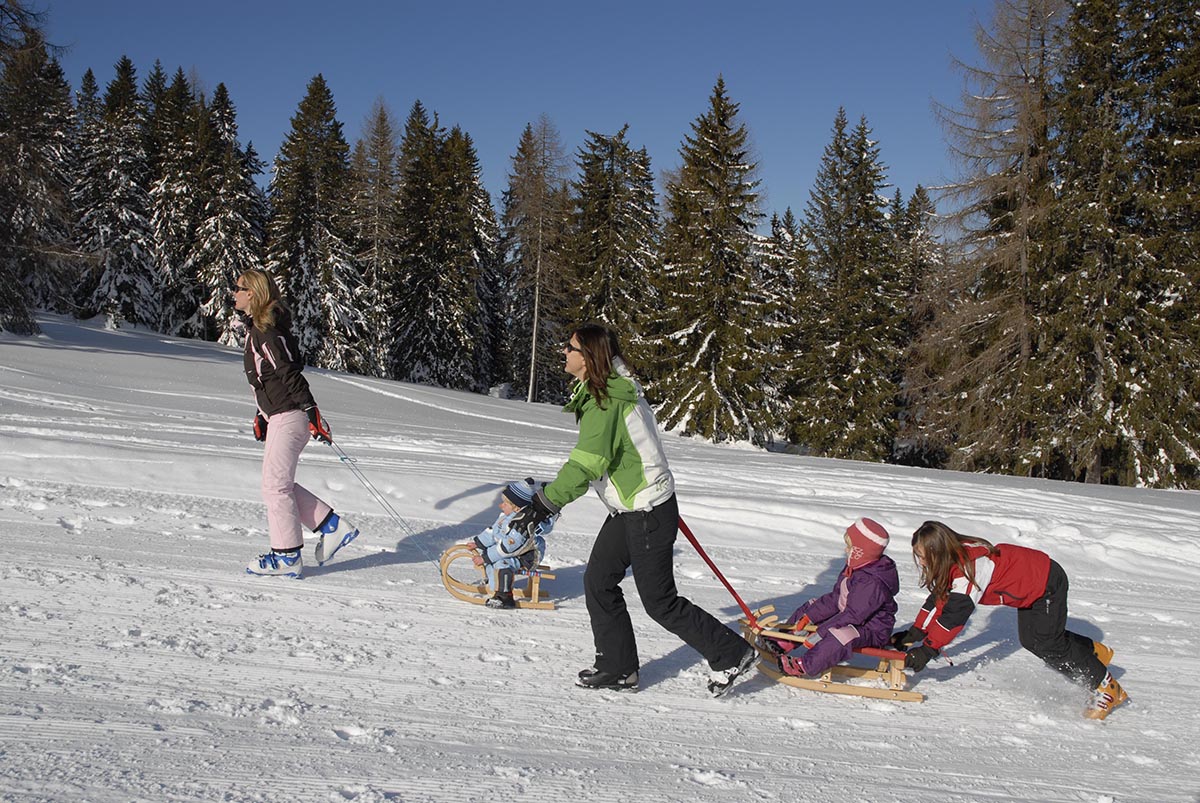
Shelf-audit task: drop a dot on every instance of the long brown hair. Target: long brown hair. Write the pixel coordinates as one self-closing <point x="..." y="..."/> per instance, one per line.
<point x="599" y="349"/>
<point x="265" y="302"/>
<point x="944" y="549"/>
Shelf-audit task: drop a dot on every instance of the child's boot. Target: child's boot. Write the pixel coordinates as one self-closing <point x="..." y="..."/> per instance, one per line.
<point x="1107" y="696"/>
<point x="791" y="665"/>
<point x="503" y="598"/>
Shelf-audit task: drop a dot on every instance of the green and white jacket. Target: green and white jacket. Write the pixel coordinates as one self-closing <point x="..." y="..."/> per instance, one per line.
<point x="619" y="451"/>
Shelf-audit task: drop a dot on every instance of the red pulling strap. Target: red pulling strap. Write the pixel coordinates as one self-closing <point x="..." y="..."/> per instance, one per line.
<point x="745" y="608"/>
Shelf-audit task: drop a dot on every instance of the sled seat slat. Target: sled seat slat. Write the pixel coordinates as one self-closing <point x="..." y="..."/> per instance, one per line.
<point x="889" y="670"/>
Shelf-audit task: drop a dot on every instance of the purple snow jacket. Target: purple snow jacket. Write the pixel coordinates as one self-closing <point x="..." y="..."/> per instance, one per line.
<point x="860" y="609"/>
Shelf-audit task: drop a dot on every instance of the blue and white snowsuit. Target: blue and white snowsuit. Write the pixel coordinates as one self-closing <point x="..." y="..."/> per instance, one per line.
<point x="505" y="548"/>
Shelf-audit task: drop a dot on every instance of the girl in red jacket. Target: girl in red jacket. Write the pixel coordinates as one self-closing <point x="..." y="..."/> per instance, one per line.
<point x="963" y="571"/>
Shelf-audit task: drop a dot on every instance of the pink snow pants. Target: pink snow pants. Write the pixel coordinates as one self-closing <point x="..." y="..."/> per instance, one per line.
<point x="288" y="505"/>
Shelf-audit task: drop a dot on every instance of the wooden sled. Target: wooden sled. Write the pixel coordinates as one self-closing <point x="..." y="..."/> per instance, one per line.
<point x="889" y="670"/>
<point x="477" y="592"/>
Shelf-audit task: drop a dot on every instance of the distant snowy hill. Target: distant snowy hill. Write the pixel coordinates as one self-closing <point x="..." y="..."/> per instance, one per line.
<point x="139" y="662"/>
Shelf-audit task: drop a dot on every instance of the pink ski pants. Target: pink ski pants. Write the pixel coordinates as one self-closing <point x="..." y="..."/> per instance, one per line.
<point x="288" y="505"/>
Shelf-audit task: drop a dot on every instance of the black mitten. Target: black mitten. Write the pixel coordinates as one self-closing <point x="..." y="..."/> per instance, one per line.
<point x="903" y="639"/>
<point x="918" y="657"/>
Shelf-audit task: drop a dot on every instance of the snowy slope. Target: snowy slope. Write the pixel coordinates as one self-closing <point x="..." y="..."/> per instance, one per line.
<point x="138" y="662"/>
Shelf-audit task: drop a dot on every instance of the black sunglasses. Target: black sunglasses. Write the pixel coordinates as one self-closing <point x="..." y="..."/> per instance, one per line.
<point x="570" y="347"/>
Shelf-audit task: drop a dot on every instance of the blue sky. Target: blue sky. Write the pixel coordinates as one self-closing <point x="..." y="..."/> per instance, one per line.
<point x="491" y="67"/>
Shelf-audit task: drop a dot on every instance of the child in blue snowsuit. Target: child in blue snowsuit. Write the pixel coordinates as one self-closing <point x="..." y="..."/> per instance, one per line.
<point x="860" y="611"/>
<point x="502" y="551"/>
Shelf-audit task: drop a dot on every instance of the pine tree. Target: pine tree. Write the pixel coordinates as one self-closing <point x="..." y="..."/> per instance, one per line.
<point x="980" y="359"/>
<point x="376" y="183"/>
<point x="176" y="201"/>
<point x="920" y="258"/>
<point x="856" y="337"/>
<point x="415" y="211"/>
<point x="536" y="221"/>
<point x="113" y="206"/>
<point x="36" y="148"/>
<point x="309" y="232"/>
<point x="229" y="235"/>
<point x="713" y="350"/>
<point x="1114" y="347"/>
<point x="614" y="246"/>
<point x="441" y="343"/>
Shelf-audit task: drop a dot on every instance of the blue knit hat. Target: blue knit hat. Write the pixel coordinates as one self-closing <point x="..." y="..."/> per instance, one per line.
<point x="520" y="492"/>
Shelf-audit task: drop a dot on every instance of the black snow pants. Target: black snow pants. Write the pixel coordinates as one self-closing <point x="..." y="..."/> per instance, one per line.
<point x="1042" y="629"/>
<point x="645" y="540"/>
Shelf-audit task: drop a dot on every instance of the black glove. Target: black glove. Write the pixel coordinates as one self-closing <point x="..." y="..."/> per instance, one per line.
<point x="260" y="428"/>
<point x="533" y="514"/>
<point x="317" y="425"/>
<point x="918" y="657"/>
<point x="904" y="639"/>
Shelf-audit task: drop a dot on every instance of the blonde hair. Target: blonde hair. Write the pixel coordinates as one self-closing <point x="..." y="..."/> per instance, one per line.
<point x="265" y="300"/>
<point x="944" y="549"/>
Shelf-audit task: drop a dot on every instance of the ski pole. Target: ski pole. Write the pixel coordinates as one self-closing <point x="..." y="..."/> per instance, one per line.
<point x="745" y="608"/>
<point x="408" y="529"/>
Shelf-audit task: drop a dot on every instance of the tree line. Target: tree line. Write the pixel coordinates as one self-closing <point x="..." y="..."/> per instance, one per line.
<point x="1042" y="324"/>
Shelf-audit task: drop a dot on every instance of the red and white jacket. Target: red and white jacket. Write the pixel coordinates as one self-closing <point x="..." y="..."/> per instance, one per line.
<point x="1014" y="576"/>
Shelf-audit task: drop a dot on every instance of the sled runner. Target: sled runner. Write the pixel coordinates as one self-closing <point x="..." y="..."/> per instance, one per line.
<point x="468" y="582"/>
<point x="889" y="670"/>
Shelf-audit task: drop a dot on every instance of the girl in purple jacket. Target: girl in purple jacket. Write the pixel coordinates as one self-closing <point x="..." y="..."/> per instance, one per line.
<point x="860" y="611"/>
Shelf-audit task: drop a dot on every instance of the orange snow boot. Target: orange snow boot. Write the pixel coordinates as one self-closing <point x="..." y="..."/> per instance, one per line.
<point x="1103" y="652"/>
<point x="1107" y="696"/>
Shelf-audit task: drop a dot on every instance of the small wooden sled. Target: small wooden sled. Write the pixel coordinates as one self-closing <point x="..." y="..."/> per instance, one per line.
<point x="477" y="591"/>
<point x="890" y="668"/>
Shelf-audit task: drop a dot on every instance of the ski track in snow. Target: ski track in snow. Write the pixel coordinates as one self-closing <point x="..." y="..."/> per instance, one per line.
<point x="138" y="662"/>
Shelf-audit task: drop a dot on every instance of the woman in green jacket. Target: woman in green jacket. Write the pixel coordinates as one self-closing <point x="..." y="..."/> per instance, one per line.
<point x="619" y="454"/>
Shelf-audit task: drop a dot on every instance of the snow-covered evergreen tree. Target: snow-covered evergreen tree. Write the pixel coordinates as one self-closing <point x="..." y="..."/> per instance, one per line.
<point x="1112" y="345"/>
<point x="536" y="221"/>
<point x="714" y="348"/>
<point x="177" y="196"/>
<point x="229" y="236"/>
<point x="375" y="168"/>
<point x="36" y="149"/>
<point x="309" y="232"/>
<point x="920" y="258"/>
<point x="441" y="342"/>
<point x="614" y="247"/>
<point x="113" y="206"/>
<point x="856" y="337"/>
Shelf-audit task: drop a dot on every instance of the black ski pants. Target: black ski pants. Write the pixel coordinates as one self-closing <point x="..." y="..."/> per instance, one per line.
<point x="1042" y="629"/>
<point x="645" y="540"/>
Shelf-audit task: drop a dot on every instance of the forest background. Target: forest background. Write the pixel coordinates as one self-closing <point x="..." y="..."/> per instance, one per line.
<point x="1033" y="317"/>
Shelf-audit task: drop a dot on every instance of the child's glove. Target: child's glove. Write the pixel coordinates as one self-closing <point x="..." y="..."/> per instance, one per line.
<point x="260" y="428"/>
<point x="904" y="639"/>
<point x="799" y="627"/>
<point x="918" y="657"/>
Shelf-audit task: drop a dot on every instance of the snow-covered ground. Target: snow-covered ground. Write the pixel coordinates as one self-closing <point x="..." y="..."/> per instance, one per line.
<point x="139" y="662"/>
